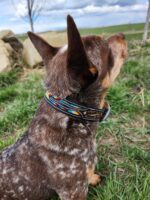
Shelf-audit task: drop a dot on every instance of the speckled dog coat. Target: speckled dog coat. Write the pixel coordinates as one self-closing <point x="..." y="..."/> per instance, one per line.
<point x="56" y="152"/>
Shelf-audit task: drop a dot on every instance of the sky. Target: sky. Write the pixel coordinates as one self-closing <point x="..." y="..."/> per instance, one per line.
<point x="86" y="13"/>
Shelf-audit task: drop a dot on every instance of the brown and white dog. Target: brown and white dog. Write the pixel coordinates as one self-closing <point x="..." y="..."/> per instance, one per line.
<point x="57" y="152"/>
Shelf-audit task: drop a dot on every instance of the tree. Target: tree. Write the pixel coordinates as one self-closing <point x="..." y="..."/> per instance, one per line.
<point x="32" y="10"/>
<point x="145" y="35"/>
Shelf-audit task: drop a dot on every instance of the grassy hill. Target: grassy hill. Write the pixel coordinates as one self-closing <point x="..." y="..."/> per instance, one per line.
<point x="123" y="140"/>
<point x="132" y="31"/>
<point x="117" y="28"/>
<point x="129" y="28"/>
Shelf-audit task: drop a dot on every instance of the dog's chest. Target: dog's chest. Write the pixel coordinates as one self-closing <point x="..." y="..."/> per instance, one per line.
<point x="83" y="143"/>
<point x="76" y="141"/>
<point x="58" y="156"/>
<point x="69" y="156"/>
<point x="68" y="161"/>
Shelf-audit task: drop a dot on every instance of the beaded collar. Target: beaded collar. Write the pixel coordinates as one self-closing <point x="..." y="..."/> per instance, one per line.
<point x="77" y="111"/>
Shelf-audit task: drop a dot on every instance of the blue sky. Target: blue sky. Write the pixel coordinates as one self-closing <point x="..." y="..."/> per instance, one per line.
<point x="87" y="13"/>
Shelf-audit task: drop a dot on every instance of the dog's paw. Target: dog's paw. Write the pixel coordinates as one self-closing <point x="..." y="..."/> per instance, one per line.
<point x="94" y="179"/>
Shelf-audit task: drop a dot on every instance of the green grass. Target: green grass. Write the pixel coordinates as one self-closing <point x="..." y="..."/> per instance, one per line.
<point x="131" y="31"/>
<point x="18" y="102"/>
<point x="117" y="28"/>
<point x="9" y="78"/>
<point x="22" y="37"/>
<point x="132" y="28"/>
<point x="123" y="140"/>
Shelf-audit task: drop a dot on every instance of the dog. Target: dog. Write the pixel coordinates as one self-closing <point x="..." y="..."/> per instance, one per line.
<point x="58" y="151"/>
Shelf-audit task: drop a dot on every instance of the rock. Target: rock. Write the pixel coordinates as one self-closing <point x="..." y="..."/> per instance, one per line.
<point x="14" y="43"/>
<point x="5" y="56"/>
<point x="30" y="54"/>
<point x="17" y="47"/>
<point x="10" y="50"/>
<point x="5" y="64"/>
<point x="5" y="34"/>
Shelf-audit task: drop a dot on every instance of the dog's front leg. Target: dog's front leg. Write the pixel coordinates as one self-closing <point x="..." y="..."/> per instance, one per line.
<point x="81" y="196"/>
<point x="75" y="193"/>
<point x="93" y="178"/>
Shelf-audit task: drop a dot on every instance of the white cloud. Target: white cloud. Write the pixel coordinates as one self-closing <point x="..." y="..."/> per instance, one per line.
<point x="13" y="19"/>
<point x="87" y="13"/>
<point x="95" y="10"/>
<point x="116" y="8"/>
<point x="21" y="9"/>
<point x="17" y="28"/>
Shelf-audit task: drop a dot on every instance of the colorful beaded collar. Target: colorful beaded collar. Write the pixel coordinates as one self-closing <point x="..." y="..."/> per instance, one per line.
<point x="77" y="111"/>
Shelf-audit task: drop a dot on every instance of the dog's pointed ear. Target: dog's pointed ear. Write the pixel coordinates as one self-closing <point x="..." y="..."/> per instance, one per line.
<point x="45" y="50"/>
<point x="77" y="59"/>
<point x="76" y="52"/>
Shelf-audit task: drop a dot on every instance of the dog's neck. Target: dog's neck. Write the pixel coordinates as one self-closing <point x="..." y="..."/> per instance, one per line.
<point x="50" y="128"/>
<point x="49" y="125"/>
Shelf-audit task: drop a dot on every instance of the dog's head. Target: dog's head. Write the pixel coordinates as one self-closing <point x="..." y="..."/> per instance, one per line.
<point x="85" y="68"/>
<point x="117" y="55"/>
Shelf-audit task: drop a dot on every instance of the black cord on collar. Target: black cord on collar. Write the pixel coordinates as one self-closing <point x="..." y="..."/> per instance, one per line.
<point x="76" y="111"/>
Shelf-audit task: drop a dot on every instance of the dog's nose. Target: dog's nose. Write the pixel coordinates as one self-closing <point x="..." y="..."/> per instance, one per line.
<point x="121" y="35"/>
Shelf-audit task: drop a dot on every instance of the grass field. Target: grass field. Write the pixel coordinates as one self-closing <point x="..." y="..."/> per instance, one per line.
<point x="123" y="140"/>
<point x="132" y="31"/>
